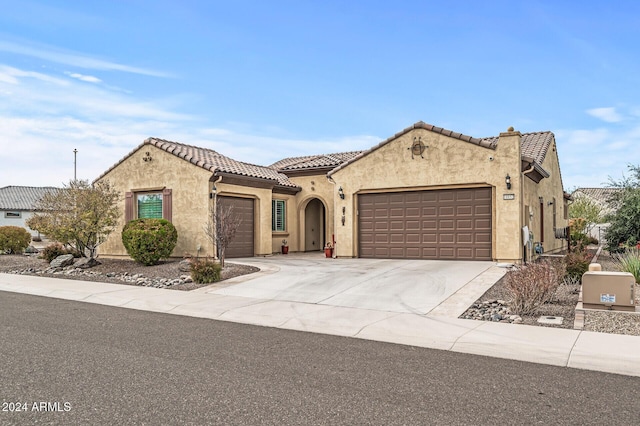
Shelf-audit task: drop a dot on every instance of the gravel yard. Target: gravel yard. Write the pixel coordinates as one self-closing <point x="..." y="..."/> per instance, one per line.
<point x="167" y="274"/>
<point x="493" y="306"/>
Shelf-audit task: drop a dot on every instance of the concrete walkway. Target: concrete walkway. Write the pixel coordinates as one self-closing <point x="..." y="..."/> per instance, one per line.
<point x="438" y="329"/>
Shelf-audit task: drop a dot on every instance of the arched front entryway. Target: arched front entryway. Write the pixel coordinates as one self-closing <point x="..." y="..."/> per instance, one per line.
<point x="314" y="225"/>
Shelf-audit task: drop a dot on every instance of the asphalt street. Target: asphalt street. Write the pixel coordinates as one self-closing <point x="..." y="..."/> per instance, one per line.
<point x="65" y="362"/>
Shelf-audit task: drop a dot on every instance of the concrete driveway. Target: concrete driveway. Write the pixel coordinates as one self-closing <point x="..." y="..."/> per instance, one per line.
<point x="406" y="286"/>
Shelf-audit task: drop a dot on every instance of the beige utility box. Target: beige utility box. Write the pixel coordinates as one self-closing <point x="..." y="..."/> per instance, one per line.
<point x="608" y="290"/>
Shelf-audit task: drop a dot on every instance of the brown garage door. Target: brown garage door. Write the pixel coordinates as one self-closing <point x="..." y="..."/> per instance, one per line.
<point x="242" y="244"/>
<point x="441" y="224"/>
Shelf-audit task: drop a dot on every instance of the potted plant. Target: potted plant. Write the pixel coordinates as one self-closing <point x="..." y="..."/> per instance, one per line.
<point x="328" y="250"/>
<point x="285" y="247"/>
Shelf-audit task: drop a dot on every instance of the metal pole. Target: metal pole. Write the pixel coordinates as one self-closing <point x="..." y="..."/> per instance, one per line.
<point x="75" y="152"/>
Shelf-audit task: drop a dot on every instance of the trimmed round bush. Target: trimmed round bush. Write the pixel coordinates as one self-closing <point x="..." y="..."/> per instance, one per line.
<point x="14" y="239"/>
<point x="149" y="240"/>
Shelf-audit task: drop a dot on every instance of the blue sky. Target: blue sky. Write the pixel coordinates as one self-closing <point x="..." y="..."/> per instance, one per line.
<point x="259" y="81"/>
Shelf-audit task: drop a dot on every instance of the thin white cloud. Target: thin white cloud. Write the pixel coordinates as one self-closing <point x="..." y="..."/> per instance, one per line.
<point x="53" y="54"/>
<point x="609" y="114"/>
<point x="12" y="75"/>
<point x="82" y="77"/>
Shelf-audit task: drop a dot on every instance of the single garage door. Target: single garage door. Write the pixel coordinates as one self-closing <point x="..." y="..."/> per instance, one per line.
<point x="440" y="224"/>
<point x="242" y="243"/>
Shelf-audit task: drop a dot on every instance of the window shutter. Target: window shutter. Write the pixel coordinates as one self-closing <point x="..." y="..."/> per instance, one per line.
<point x="128" y="207"/>
<point x="166" y="204"/>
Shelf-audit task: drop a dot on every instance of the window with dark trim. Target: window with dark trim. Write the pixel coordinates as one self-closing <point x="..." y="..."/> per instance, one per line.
<point x="148" y="205"/>
<point x="12" y="215"/>
<point x="278" y="218"/>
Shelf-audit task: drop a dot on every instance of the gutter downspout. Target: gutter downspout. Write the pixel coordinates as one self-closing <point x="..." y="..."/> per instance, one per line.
<point x="529" y="170"/>
<point x="214" y="191"/>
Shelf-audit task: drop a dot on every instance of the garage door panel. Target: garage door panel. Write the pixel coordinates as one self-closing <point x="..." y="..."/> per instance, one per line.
<point x="243" y="241"/>
<point x="440" y="224"/>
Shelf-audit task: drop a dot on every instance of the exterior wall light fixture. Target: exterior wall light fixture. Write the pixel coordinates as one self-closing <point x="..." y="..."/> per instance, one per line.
<point x="341" y="193"/>
<point x="214" y="190"/>
<point x="507" y="180"/>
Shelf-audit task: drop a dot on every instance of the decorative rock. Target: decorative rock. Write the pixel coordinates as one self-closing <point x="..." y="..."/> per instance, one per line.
<point x="86" y="263"/>
<point x="31" y="250"/>
<point x="184" y="265"/>
<point x="62" y="261"/>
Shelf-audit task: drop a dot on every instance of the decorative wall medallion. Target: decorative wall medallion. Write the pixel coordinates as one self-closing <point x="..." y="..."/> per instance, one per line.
<point x="147" y="157"/>
<point x="418" y="147"/>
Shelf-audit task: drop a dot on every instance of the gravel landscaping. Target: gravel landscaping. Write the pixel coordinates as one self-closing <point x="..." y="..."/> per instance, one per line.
<point x="493" y="306"/>
<point x="171" y="274"/>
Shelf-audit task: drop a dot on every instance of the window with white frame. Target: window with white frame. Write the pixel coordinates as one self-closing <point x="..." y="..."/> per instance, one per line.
<point x="278" y="218"/>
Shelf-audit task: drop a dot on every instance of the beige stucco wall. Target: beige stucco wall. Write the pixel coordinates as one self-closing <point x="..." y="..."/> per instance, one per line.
<point x="447" y="163"/>
<point x="313" y="187"/>
<point x="190" y="197"/>
<point x="548" y="188"/>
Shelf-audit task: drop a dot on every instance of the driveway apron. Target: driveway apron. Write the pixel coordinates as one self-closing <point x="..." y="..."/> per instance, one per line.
<point x="404" y="286"/>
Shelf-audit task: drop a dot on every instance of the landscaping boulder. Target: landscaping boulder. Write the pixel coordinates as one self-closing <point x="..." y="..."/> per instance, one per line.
<point x="185" y="265"/>
<point x="62" y="261"/>
<point x="86" y="263"/>
<point x="31" y="250"/>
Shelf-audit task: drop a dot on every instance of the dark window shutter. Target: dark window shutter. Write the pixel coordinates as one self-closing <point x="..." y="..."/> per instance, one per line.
<point x="128" y="207"/>
<point x="166" y="204"/>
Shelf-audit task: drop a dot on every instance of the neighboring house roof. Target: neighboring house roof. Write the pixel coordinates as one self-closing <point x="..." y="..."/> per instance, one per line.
<point x="22" y="197"/>
<point x="212" y="161"/>
<point x="534" y="145"/>
<point x="600" y="195"/>
<point x="320" y="161"/>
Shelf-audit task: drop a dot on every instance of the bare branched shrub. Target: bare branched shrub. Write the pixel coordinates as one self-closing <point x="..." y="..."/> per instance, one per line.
<point x="531" y="286"/>
<point x="221" y="228"/>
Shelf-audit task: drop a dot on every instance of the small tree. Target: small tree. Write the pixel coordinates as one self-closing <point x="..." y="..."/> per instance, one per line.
<point x="80" y="215"/>
<point x="221" y="228"/>
<point x="624" y="222"/>
<point x="585" y="208"/>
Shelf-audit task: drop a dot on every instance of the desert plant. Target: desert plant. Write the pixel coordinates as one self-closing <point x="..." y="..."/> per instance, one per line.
<point x="577" y="263"/>
<point x="629" y="261"/>
<point x="80" y="214"/>
<point x="149" y="240"/>
<point x="14" y="239"/>
<point x="54" y="250"/>
<point x="531" y="286"/>
<point x="205" y="271"/>
<point x="221" y="228"/>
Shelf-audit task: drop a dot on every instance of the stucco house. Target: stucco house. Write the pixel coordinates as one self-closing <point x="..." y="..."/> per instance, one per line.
<point x="424" y="193"/>
<point x="17" y="204"/>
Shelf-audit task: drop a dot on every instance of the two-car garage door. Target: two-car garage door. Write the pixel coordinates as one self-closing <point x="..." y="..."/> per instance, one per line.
<point x="438" y="224"/>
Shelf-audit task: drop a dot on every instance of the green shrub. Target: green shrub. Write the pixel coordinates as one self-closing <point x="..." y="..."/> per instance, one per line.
<point x="54" y="250"/>
<point x="629" y="261"/>
<point x="205" y="271"/>
<point x="149" y="240"/>
<point x="577" y="263"/>
<point x="14" y="239"/>
<point x="531" y="286"/>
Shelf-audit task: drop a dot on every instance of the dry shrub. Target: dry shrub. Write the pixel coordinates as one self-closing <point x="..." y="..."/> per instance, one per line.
<point x="531" y="286"/>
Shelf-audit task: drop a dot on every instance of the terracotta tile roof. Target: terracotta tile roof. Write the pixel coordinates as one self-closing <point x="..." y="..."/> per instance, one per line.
<point x="213" y="161"/>
<point x="534" y="145"/>
<point x="314" y="161"/>
<point x="22" y="197"/>
<point x="601" y="195"/>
